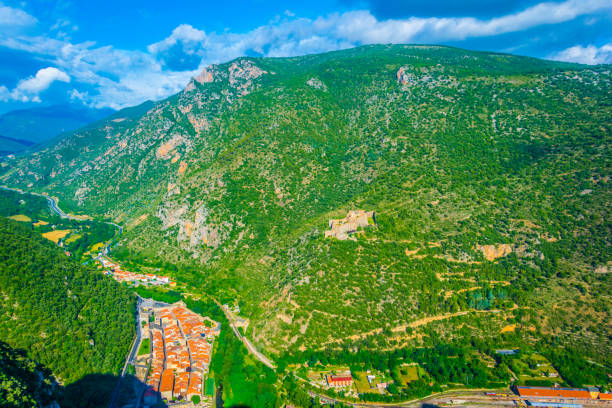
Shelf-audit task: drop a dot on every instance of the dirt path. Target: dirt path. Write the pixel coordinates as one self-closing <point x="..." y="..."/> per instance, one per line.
<point x="421" y="322"/>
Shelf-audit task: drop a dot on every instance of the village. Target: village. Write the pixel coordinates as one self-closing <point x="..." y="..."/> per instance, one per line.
<point x="114" y="270"/>
<point x="175" y="354"/>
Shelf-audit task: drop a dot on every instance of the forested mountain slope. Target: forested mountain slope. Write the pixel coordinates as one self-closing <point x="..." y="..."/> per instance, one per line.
<point x="67" y="316"/>
<point x="488" y="174"/>
<point x="23" y="382"/>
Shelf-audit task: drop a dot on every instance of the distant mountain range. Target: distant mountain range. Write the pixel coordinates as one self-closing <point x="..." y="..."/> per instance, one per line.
<point x="20" y="129"/>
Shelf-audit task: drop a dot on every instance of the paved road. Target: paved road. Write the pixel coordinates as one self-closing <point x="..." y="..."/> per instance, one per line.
<point x="51" y="200"/>
<point x="247" y="343"/>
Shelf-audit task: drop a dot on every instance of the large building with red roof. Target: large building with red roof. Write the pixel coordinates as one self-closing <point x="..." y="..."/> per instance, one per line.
<point x="339" y="380"/>
<point x="560" y="393"/>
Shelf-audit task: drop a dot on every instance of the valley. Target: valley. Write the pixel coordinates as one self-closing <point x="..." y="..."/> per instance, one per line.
<point x="373" y="226"/>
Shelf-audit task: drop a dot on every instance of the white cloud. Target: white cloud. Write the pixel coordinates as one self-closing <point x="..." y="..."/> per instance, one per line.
<point x="107" y="76"/>
<point x="13" y="17"/>
<point x="42" y="80"/>
<point x="335" y="31"/>
<point x="4" y="93"/>
<point x="184" y="33"/>
<point x="586" y="55"/>
<point x="28" y="90"/>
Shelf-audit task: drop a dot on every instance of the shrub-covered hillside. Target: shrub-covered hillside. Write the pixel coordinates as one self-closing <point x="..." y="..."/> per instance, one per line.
<point x="489" y="176"/>
<point x="67" y="316"/>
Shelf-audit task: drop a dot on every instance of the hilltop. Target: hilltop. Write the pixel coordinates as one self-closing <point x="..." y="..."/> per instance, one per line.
<point x="488" y="174"/>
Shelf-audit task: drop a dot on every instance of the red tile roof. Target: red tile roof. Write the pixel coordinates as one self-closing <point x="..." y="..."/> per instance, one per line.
<point x="542" y="392"/>
<point x="167" y="381"/>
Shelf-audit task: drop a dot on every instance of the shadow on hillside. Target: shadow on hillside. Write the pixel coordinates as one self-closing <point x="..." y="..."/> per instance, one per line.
<point x="97" y="390"/>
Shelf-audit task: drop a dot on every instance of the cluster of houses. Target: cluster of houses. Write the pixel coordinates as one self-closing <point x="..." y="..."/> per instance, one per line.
<point x="114" y="270"/>
<point x="552" y="395"/>
<point x="181" y="353"/>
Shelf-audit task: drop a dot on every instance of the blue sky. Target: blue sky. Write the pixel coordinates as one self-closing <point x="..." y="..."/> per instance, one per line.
<point x="120" y="53"/>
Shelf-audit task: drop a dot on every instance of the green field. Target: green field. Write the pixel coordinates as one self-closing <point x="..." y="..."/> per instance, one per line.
<point x="145" y="347"/>
<point x="210" y="386"/>
<point x="407" y="374"/>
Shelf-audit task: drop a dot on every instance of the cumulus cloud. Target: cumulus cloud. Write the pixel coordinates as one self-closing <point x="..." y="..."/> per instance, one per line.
<point x="590" y="54"/>
<point x="28" y="90"/>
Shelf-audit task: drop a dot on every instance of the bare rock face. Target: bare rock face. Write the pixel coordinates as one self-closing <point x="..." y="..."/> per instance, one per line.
<point x="492" y="252"/>
<point x="193" y="230"/>
<point x="316" y="83"/>
<point x="404" y="77"/>
<point x="206" y="76"/>
<point x="242" y="73"/>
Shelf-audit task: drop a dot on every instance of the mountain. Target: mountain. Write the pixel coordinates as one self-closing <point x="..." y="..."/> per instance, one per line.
<point x="10" y="145"/>
<point x="488" y="175"/>
<point x="69" y="317"/>
<point x="25" y="127"/>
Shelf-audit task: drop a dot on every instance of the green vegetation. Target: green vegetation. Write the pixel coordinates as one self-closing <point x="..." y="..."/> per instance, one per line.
<point x="23" y="382"/>
<point x="161" y="295"/>
<point x="488" y="174"/>
<point x="210" y="386"/>
<point x="68" y="317"/>
<point x="35" y="211"/>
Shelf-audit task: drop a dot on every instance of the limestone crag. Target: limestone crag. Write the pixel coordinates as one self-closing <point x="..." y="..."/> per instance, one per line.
<point x="193" y="230"/>
<point x="316" y="83"/>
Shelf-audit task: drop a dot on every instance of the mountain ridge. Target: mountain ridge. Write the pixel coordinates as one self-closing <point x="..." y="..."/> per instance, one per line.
<point x="237" y="177"/>
<point x="40" y="124"/>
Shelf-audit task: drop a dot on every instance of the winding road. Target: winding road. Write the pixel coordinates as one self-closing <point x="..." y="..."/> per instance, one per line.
<point x="247" y="343"/>
<point x="53" y="206"/>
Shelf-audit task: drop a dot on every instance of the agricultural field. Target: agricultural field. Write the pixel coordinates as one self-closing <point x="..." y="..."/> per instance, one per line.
<point x="56" y="235"/>
<point x="73" y="238"/>
<point x="408" y="373"/>
<point x="20" y="217"/>
<point x="81" y="237"/>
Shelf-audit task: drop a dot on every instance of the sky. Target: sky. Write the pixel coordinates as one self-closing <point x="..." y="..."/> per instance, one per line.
<point x="121" y="53"/>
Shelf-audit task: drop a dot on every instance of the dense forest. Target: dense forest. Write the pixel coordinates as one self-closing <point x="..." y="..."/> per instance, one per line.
<point x="67" y="316"/>
<point x="23" y="382"/>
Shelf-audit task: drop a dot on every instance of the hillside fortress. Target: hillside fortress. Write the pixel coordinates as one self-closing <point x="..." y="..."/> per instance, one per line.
<point x="342" y="229"/>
